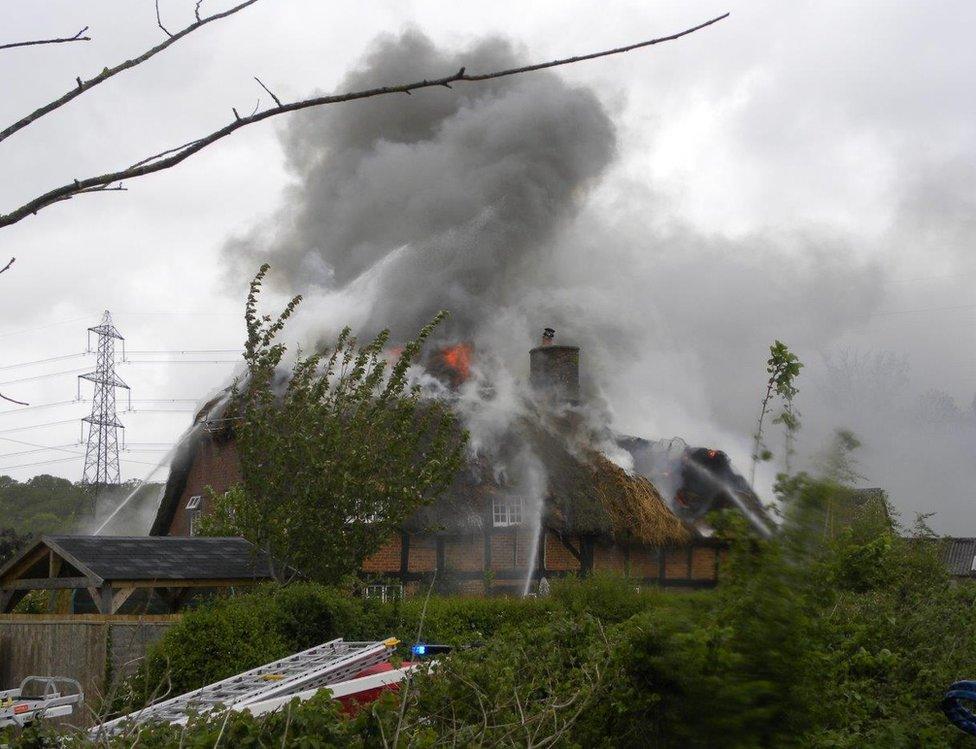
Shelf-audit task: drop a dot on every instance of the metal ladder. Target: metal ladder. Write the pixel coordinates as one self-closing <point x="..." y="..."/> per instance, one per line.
<point x="320" y="666"/>
<point x="56" y="697"/>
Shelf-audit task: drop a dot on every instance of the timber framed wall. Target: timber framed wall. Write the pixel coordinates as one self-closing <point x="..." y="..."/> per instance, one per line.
<point x="498" y="561"/>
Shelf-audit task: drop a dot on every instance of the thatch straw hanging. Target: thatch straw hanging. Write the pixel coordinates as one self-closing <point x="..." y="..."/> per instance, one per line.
<point x="636" y="510"/>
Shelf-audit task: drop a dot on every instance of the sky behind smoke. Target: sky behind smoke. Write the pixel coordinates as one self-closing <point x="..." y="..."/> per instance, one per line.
<point x="801" y="171"/>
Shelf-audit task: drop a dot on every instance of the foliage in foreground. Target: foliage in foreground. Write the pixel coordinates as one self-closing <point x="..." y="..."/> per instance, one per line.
<point x="814" y="640"/>
<point x="337" y="456"/>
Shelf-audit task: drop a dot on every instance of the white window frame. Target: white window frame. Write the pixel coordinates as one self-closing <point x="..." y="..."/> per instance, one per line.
<point x="194" y="509"/>
<point x="384" y="592"/>
<point x="506" y="511"/>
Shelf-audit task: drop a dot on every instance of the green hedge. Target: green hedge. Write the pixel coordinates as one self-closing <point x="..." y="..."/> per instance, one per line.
<point x="229" y="635"/>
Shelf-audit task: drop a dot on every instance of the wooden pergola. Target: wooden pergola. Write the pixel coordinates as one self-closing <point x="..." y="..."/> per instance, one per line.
<point x="112" y="568"/>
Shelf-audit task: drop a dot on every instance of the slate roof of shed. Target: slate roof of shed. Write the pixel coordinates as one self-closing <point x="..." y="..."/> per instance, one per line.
<point x="959" y="554"/>
<point x="164" y="557"/>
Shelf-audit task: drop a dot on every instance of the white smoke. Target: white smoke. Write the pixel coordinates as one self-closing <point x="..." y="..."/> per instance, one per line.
<point x="490" y="201"/>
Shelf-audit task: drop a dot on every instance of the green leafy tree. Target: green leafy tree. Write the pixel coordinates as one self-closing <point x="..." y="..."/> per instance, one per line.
<point x="783" y="367"/>
<point x="336" y="456"/>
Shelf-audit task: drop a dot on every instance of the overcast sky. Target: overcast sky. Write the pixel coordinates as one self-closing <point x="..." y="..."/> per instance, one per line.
<point x="801" y="170"/>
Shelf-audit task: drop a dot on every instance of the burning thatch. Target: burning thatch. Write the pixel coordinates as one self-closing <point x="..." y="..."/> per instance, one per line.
<point x="586" y="494"/>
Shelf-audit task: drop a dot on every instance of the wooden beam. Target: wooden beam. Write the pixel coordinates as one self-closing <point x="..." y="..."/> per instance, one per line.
<point x="30" y="559"/>
<point x="53" y="568"/>
<point x="48" y="583"/>
<point x="586" y="555"/>
<point x="190" y="583"/>
<point x="53" y="564"/>
<point x="119" y="597"/>
<point x="72" y="560"/>
<point x="572" y="549"/>
<point x="104" y="600"/>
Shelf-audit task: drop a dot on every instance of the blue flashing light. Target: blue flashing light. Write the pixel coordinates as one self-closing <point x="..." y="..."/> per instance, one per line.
<point x="419" y="650"/>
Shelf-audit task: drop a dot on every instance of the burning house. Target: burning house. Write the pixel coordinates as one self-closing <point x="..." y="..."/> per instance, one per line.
<point x="546" y="500"/>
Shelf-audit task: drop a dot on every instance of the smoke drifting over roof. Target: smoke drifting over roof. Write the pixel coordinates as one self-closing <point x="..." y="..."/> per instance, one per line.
<point x="489" y="201"/>
<point x="442" y="199"/>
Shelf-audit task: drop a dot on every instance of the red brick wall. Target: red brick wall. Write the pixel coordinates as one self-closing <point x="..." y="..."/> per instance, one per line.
<point x="643" y="562"/>
<point x="703" y="563"/>
<point x="386" y="559"/>
<point x="503" y="549"/>
<point x="609" y="558"/>
<point x="676" y="563"/>
<point x="558" y="557"/>
<point x="216" y="465"/>
<point x="525" y="545"/>
<point x="422" y="554"/>
<point x="465" y="554"/>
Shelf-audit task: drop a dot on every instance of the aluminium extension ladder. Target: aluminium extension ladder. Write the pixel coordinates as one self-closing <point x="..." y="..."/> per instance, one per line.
<point x="39" y="697"/>
<point x="314" y="668"/>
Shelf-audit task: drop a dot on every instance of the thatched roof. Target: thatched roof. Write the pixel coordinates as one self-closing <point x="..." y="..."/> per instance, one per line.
<point x="586" y="494"/>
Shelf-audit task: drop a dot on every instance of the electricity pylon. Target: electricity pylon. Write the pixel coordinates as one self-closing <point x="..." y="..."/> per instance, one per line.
<point x="102" y="454"/>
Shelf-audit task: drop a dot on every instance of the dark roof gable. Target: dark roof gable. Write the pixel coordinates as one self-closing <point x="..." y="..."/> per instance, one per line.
<point x="163" y="558"/>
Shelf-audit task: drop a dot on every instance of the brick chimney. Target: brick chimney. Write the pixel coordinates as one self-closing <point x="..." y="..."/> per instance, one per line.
<point x="554" y="370"/>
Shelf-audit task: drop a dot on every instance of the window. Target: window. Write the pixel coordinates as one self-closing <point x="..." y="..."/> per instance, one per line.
<point x="383" y="592"/>
<point x="506" y="511"/>
<point x="193" y="509"/>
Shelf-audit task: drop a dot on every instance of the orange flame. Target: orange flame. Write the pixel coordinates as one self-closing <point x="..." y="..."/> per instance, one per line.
<point x="458" y="359"/>
<point x="712" y="453"/>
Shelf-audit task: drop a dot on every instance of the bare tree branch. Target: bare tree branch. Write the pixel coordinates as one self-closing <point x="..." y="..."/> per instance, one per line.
<point x="109" y="72"/>
<point x="276" y="99"/>
<point x="60" y="40"/>
<point x="159" y="21"/>
<point x="171" y="157"/>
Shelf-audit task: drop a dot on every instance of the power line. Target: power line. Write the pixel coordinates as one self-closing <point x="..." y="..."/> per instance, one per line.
<point x="180" y="361"/>
<point x="62" y="460"/>
<point x="37" y="444"/>
<point x="81" y="401"/>
<point x="45" y="376"/>
<point x="35" y="450"/>
<point x="180" y="313"/>
<point x="44" y="327"/>
<point x="39" y="426"/>
<point x="44" y="361"/>
<point x="41" y="405"/>
<point x="41" y="462"/>
<point x="192" y="351"/>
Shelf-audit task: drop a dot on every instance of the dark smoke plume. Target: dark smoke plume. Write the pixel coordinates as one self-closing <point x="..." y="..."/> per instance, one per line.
<point x="489" y="201"/>
<point x="443" y="199"/>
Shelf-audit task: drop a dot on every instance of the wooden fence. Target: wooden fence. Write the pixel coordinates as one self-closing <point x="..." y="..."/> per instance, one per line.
<point x="95" y="649"/>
